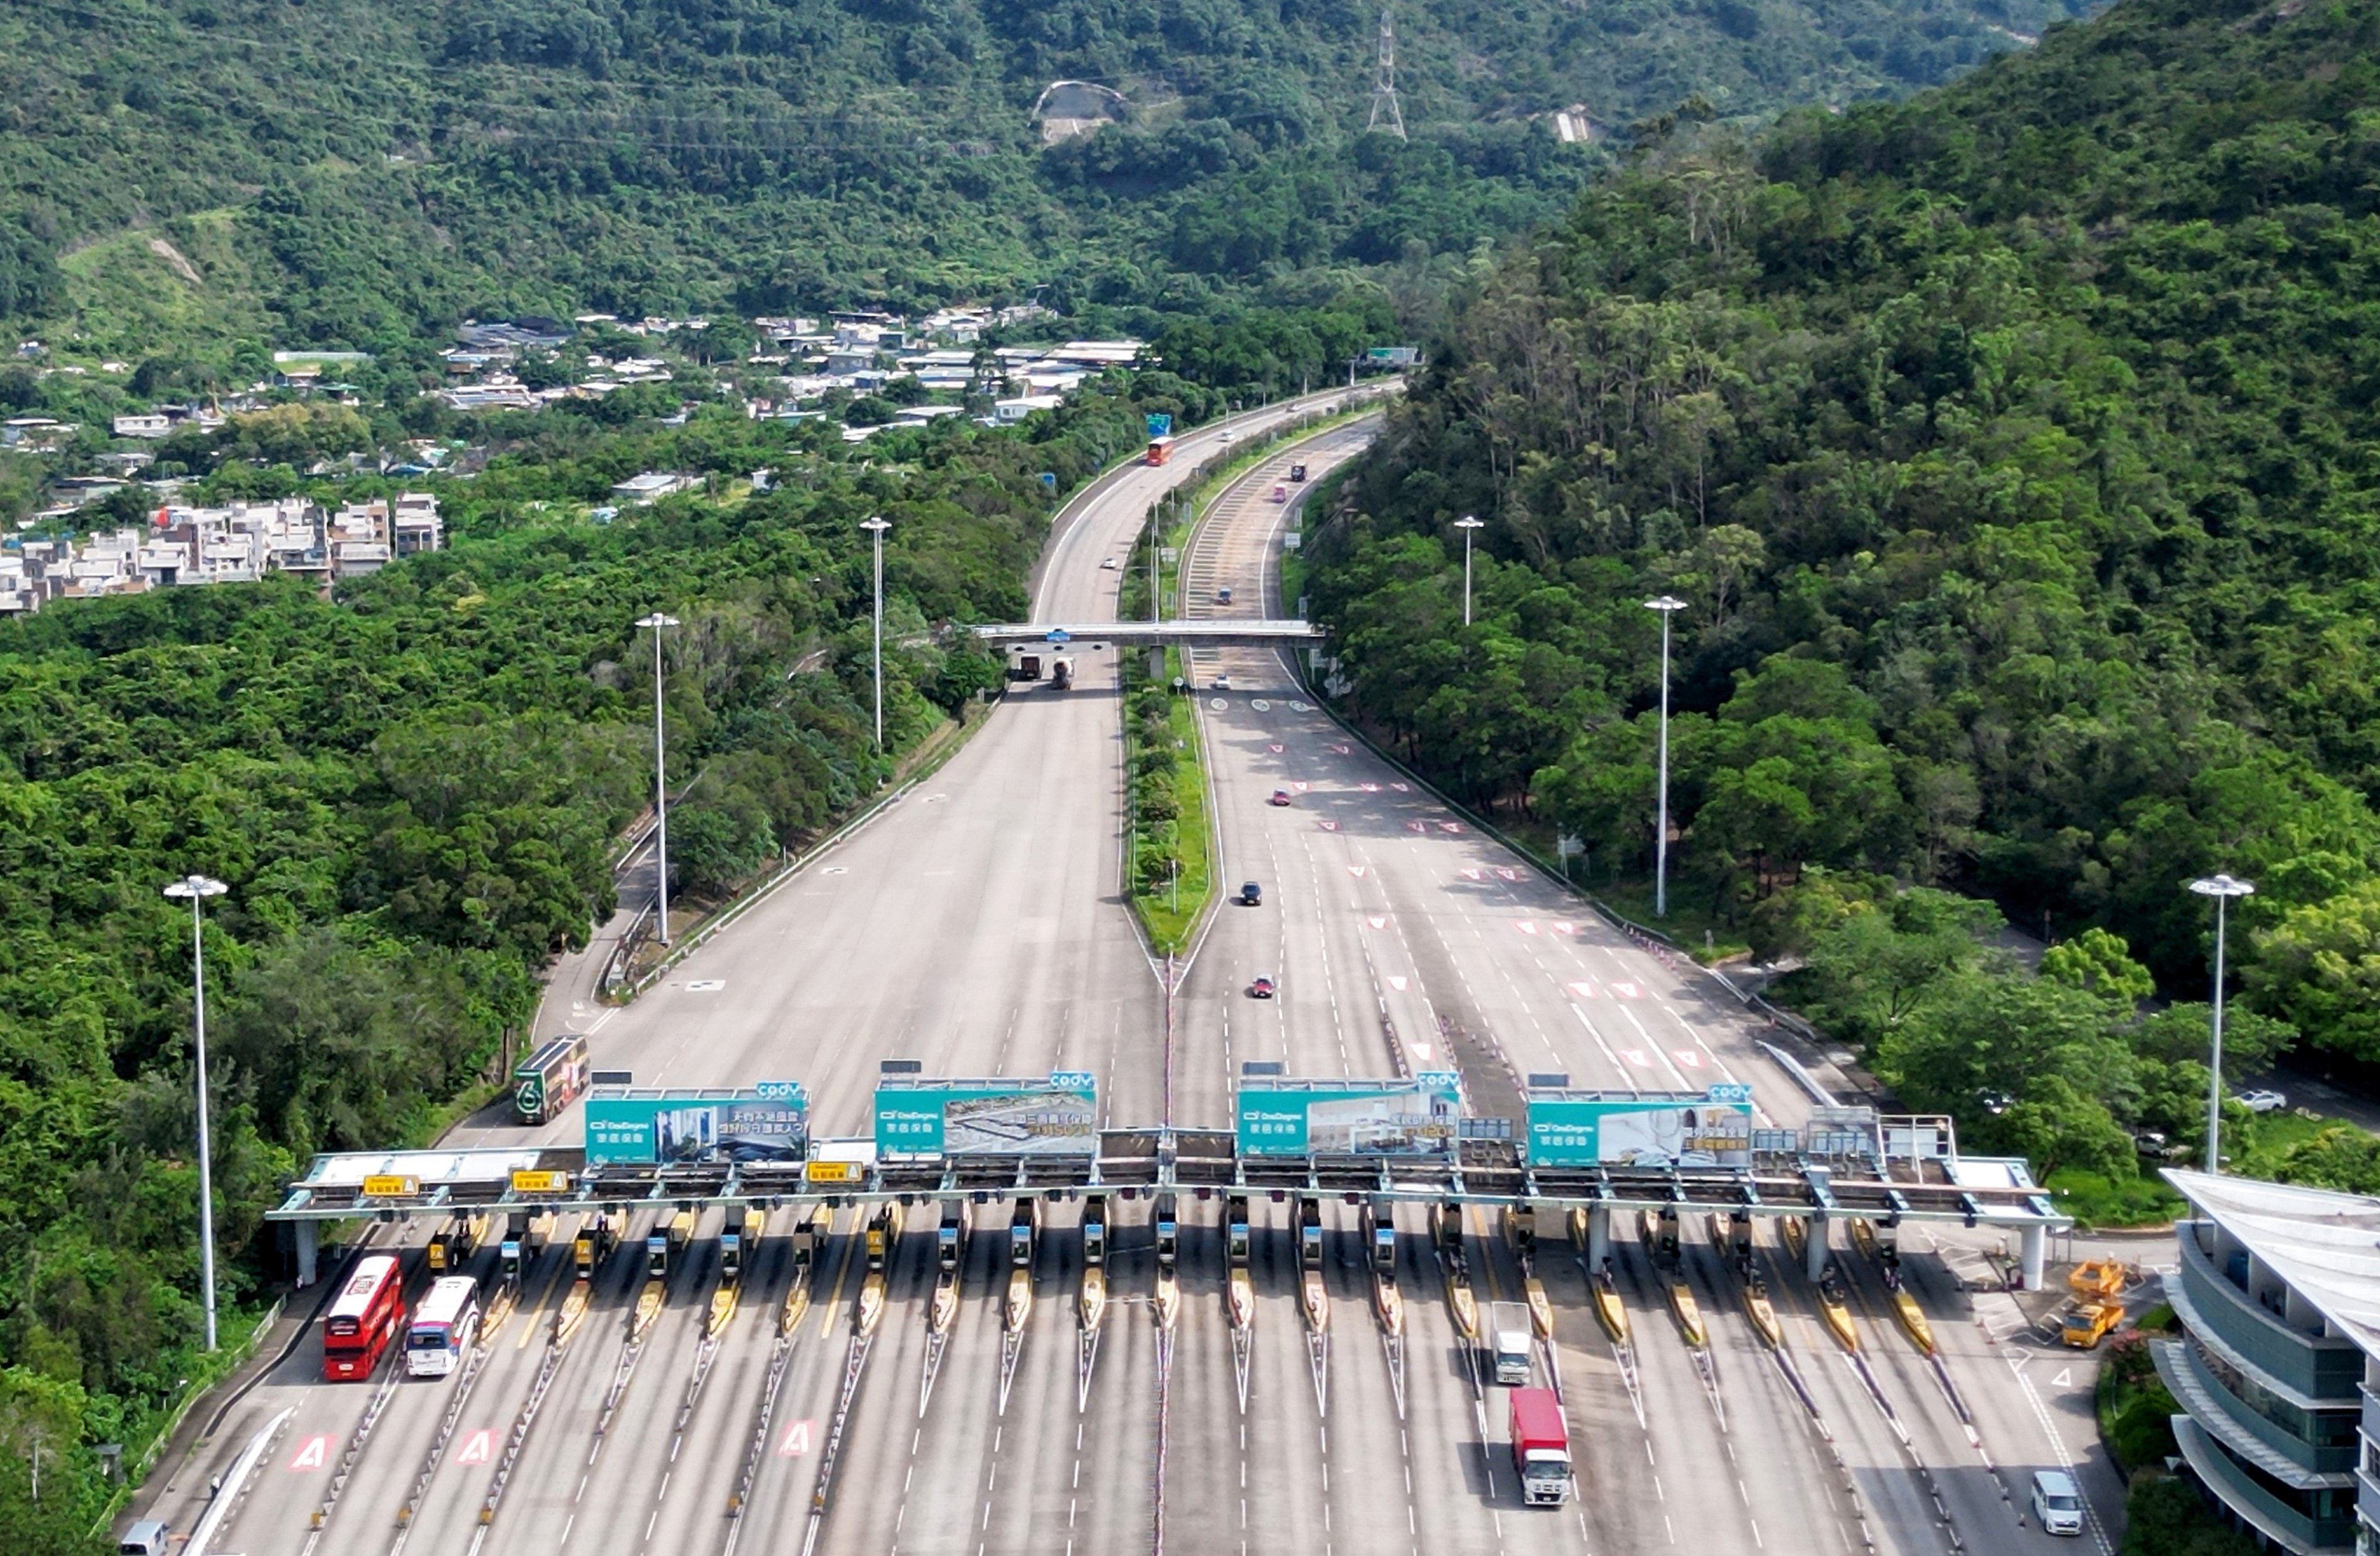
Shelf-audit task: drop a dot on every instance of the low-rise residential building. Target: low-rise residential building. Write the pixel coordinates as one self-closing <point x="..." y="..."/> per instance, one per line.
<point x="2278" y="1371"/>
<point x="1023" y="405"/>
<point x="236" y="544"/>
<point x="651" y="486"/>
<point x="146" y="424"/>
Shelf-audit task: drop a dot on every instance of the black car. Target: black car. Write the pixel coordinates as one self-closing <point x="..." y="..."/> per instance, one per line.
<point x="1251" y="895"/>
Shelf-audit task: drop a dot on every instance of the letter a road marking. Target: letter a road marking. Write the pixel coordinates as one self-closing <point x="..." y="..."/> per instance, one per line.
<point x="314" y="1455"/>
<point x="797" y="1443"/>
<point x="479" y="1449"/>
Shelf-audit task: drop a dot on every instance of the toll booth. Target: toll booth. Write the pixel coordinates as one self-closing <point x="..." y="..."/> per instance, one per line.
<point x="1095" y="1231"/>
<point x="1310" y="1233"/>
<point x="1888" y="1250"/>
<point x="1169" y="1233"/>
<point x="808" y="1238"/>
<point x="1665" y="1232"/>
<point x="681" y="1229"/>
<point x="595" y="1241"/>
<point x="1521" y="1232"/>
<point x="657" y="1254"/>
<point x="1739" y="1238"/>
<point x="883" y="1231"/>
<point x="452" y="1246"/>
<point x="1446" y="1221"/>
<point x="1380" y="1227"/>
<point x="738" y="1240"/>
<point x="1023" y="1229"/>
<point x="1235" y="1231"/>
<point x="949" y="1238"/>
<point x="509" y="1258"/>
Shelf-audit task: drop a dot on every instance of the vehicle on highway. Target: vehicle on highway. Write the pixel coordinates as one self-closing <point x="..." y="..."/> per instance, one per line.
<point x="1161" y="448"/>
<point x="1508" y="1343"/>
<point x="1280" y="797"/>
<point x="1108" y="563"/>
<point x="148" y="1537"/>
<point x="2056" y="1503"/>
<point x="1260" y="989"/>
<point x="443" y="1327"/>
<point x="1280" y="492"/>
<point x="1251" y="895"/>
<point x="1024" y="666"/>
<point x="1222" y="683"/>
<point x="1298" y="472"/>
<point x="1223" y="595"/>
<point x="369" y="1313"/>
<point x="1540" y="1447"/>
<point x="1062" y="674"/>
<point x="2262" y="1102"/>
<point x="550" y="1080"/>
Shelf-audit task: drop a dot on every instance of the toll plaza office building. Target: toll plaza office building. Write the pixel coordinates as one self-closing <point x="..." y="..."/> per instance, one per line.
<point x="2278" y="1368"/>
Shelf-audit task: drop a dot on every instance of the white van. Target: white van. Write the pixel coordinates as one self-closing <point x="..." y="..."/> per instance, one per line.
<point x="146" y="1537"/>
<point x="2057" y="1503"/>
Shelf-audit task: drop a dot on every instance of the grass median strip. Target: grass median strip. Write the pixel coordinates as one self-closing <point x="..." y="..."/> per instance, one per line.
<point x="1172" y="874"/>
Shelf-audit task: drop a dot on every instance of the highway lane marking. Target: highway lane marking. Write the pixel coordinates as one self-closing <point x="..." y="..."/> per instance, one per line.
<point x="479" y="1449"/>
<point x="314" y="1453"/>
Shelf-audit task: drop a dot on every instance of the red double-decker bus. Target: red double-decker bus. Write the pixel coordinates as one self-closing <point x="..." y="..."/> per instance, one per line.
<point x="367" y="1315"/>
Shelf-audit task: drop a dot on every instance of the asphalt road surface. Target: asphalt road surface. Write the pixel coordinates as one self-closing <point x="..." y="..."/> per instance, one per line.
<point x="976" y="926"/>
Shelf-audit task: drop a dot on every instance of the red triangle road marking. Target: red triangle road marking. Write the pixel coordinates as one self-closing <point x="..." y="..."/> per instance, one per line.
<point x="1583" y="991"/>
<point x="1688" y="1057"/>
<point x="314" y="1453"/>
<point x="480" y="1448"/>
<point x="796" y="1441"/>
<point x="1379" y="923"/>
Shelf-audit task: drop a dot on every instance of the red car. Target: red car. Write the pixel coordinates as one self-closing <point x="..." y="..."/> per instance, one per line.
<point x="1280" y="797"/>
<point x="1260" y="989"/>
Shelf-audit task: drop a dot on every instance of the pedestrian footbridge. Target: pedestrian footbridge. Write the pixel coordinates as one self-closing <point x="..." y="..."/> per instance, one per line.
<point x="1223" y="633"/>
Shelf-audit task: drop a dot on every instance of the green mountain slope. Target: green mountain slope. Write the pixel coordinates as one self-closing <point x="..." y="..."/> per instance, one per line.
<point x="339" y="172"/>
<point x="2012" y="450"/>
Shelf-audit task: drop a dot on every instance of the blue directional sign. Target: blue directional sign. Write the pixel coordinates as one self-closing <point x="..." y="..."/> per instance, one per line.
<point x="1160" y="424"/>
<point x="1281" y="1117"/>
<point x="1059" y="1116"/>
<point x="1710" y="1129"/>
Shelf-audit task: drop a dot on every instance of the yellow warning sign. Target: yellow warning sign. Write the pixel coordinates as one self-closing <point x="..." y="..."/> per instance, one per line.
<point x="837" y="1172"/>
<point x="391" y="1186"/>
<point x="541" y="1183"/>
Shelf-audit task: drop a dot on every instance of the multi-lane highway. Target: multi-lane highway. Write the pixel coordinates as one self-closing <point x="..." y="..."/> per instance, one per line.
<point x="976" y="926"/>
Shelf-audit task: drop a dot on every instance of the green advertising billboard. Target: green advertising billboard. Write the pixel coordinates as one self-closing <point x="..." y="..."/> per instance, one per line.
<point x="1710" y="1129"/>
<point x="682" y="1126"/>
<point x="1422" y="1116"/>
<point x="1054" y="1118"/>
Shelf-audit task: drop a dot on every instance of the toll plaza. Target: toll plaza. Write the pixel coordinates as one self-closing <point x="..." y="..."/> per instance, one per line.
<point x="1846" y="1163"/>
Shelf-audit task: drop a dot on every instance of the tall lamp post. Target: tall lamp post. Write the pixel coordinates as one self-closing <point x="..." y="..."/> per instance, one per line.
<point x="1466" y="524"/>
<point x="1667" y="604"/>
<point x="656" y="621"/>
<point x="2223" y="889"/>
<point x="198" y="888"/>
<point x="876" y="526"/>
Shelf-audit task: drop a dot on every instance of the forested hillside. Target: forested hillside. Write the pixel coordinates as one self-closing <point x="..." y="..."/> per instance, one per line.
<point x="2011" y="449"/>
<point x="414" y="793"/>
<point x="188" y="173"/>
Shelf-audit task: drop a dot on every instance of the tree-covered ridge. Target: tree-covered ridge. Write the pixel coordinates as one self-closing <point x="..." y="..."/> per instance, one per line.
<point x="2012" y="449"/>
<point x="349" y="174"/>
<point x="415" y="794"/>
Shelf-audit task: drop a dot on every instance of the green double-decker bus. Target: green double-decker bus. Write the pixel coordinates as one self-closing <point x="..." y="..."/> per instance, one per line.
<point x="551" y="1078"/>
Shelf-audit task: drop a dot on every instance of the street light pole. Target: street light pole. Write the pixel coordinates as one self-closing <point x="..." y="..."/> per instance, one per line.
<point x="656" y="621"/>
<point x="198" y="888"/>
<point x="2223" y="889"/>
<point x="876" y="528"/>
<point x="1466" y="524"/>
<point x="1667" y="604"/>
